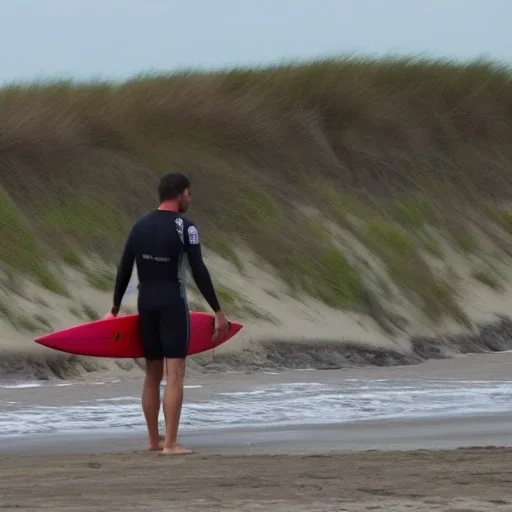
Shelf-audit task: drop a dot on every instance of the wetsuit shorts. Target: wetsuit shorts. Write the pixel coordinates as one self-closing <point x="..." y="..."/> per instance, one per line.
<point x="165" y="331"/>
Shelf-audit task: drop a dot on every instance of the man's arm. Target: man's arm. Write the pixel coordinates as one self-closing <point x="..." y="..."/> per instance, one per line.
<point x="124" y="273"/>
<point x="200" y="273"/>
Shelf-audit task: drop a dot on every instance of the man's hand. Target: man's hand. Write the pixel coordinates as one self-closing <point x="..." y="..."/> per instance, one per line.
<point x="221" y="326"/>
<point x="111" y="314"/>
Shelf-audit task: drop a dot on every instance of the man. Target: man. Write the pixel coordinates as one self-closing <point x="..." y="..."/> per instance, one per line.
<point x="157" y="243"/>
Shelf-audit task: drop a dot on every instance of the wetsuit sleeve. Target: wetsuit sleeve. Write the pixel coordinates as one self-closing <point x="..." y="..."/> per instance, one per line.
<point x="200" y="273"/>
<point x="124" y="273"/>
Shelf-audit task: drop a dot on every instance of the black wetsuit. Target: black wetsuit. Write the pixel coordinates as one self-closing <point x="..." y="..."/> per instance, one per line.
<point x="157" y="244"/>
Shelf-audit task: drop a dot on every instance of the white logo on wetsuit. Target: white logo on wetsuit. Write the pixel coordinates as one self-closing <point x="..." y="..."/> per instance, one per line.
<point x="179" y="228"/>
<point x="160" y="259"/>
<point x="193" y="235"/>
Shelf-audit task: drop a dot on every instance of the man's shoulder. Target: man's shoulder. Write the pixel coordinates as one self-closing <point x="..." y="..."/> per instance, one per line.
<point x="182" y="223"/>
<point x="186" y="221"/>
<point x="143" y="219"/>
<point x="191" y="229"/>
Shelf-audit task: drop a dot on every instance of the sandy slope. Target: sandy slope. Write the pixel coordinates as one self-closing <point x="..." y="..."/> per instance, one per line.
<point x="297" y="319"/>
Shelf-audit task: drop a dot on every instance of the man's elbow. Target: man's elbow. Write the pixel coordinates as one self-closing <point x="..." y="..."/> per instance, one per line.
<point x="200" y="272"/>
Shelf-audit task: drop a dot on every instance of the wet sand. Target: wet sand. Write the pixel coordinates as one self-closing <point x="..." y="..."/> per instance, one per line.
<point x="453" y="464"/>
<point x="436" y="433"/>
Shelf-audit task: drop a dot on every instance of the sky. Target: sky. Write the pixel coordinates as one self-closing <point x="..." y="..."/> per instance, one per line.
<point x="117" y="39"/>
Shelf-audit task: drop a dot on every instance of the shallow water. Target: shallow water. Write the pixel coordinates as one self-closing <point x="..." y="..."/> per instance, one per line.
<point x="25" y="409"/>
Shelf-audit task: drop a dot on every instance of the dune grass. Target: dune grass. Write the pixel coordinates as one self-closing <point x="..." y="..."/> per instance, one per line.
<point x="90" y="313"/>
<point x="101" y="278"/>
<point x="488" y="276"/>
<point x="21" y="248"/>
<point x="22" y="322"/>
<point x="389" y="149"/>
<point x="234" y="303"/>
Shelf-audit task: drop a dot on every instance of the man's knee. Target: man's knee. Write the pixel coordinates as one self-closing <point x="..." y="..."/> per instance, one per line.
<point x="175" y="371"/>
<point x="154" y="370"/>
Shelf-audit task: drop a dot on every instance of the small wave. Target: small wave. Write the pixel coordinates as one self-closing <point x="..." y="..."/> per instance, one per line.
<point x="274" y="405"/>
<point x="22" y="385"/>
<point x="28" y="385"/>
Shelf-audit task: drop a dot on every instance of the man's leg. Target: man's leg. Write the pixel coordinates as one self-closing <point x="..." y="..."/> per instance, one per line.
<point x="150" y="338"/>
<point x="151" y="400"/>
<point x="173" y="400"/>
<point x="175" y="336"/>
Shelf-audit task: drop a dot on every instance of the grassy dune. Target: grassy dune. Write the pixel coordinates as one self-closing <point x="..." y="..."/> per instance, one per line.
<point x="296" y="162"/>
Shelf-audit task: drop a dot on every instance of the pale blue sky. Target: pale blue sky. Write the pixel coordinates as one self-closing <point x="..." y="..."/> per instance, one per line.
<point x="115" y="39"/>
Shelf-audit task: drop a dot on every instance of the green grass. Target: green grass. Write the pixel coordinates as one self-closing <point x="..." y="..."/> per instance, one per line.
<point x="42" y="321"/>
<point x="313" y="228"/>
<point x="391" y="238"/>
<point x="399" y="252"/>
<point x="497" y="213"/>
<point x="102" y="279"/>
<point x="7" y="313"/>
<point x="466" y="241"/>
<point x="84" y="160"/>
<point x="219" y="244"/>
<point x="41" y="302"/>
<point x="505" y="217"/>
<point x="486" y="275"/>
<point x="76" y="312"/>
<point x="328" y="277"/>
<point x="23" y="322"/>
<point x="21" y="249"/>
<point x="235" y="304"/>
<point x="257" y="208"/>
<point x="414" y="211"/>
<point x="90" y="312"/>
<point x="72" y="257"/>
<point x="86" y="217"/>
<point x="431" y="244"/>
<point x="227" y="296"/>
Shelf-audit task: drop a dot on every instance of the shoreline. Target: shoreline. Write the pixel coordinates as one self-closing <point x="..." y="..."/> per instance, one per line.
<point x="434" y="464"/>
<point x="471" y="387"/>
<point x="427" y="433"/>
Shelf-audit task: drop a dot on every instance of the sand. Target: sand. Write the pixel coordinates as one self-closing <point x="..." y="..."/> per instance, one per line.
<point x="462" y="480"/>
<point x="415" y="465"/>
<point x="461" y="464"/>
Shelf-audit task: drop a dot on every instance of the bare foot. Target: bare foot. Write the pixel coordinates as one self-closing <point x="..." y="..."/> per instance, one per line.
<point x="176" y="450"/>
<point x="160" y="445"/>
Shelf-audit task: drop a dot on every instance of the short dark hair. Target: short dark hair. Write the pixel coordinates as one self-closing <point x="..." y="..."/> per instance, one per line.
<point x="172" y="185"/>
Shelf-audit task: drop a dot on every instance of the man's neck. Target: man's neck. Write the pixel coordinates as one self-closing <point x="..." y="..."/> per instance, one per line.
<point x="170" y="206"/>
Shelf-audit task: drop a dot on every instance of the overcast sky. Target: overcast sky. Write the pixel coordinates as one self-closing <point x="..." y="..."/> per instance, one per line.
<point x="115" y="39"/>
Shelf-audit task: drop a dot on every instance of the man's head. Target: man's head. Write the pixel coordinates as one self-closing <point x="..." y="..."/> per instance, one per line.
<point x="175" y="188"/>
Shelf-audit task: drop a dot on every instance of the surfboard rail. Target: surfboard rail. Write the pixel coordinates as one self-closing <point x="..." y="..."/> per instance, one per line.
<point x="119" y="337"/>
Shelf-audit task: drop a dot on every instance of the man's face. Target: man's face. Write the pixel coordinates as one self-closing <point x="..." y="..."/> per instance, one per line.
<point x="184" y="201"/>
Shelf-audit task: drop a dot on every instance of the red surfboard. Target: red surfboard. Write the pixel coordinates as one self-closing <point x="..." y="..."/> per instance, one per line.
<point x="119" y="337"/>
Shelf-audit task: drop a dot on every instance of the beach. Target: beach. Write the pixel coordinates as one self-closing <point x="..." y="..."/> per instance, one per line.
<point x="354" y="217"/>
<point x="427" y="458"/>
<point x="462" y="480"/>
